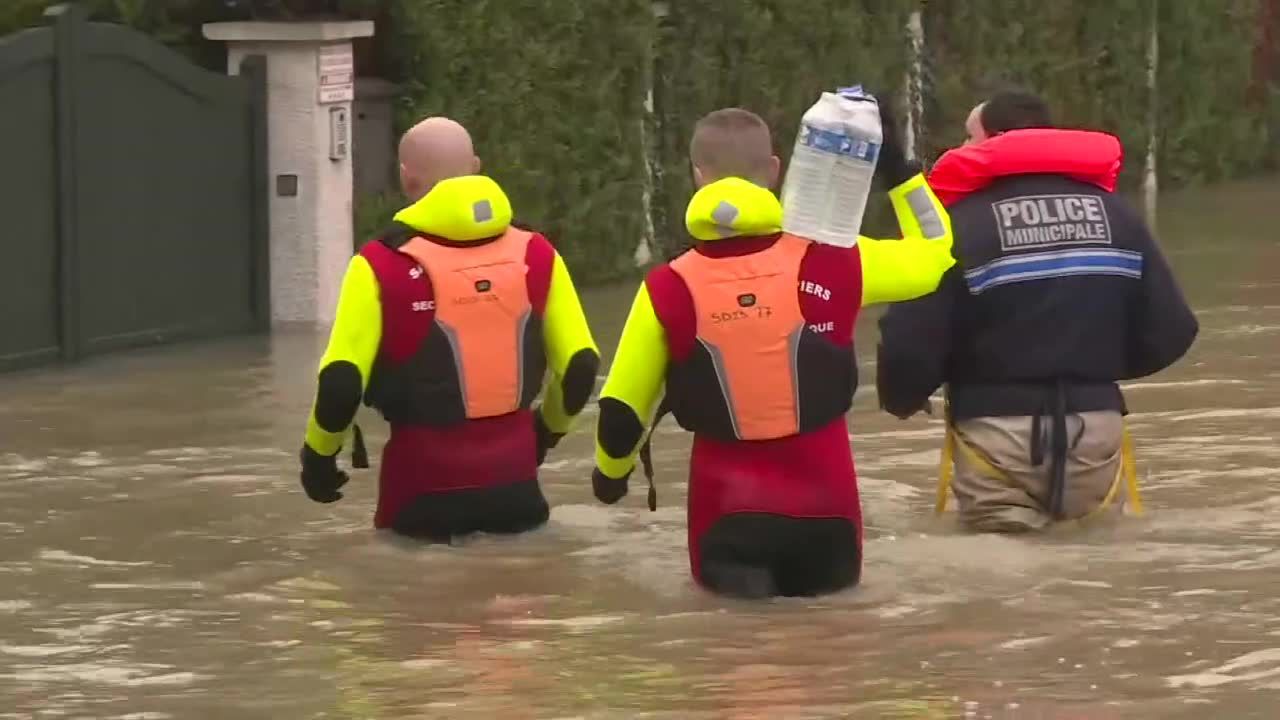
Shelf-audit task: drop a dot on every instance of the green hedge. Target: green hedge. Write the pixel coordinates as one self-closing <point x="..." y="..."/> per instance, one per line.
<point x="1209" y="127"/>
<point x="765" y="56"/>
<point x="1089" y="63"/>
<point x="553" y="93"/>
<point x="585" y="176"/>
<point x="554" y="90"/>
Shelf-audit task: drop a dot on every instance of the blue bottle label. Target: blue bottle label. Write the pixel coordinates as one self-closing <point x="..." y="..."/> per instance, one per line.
<point x="837" y="144"/>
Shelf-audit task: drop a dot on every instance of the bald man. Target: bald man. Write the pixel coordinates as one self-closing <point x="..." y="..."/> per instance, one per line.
<point x="751" y="333"/>
<point x="447" y="325"/>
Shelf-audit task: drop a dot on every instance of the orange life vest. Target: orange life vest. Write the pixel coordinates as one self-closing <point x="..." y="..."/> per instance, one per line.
<point x="750" y="326"/>
<point x="480" y="350"/>
<point x="482" y="306"/>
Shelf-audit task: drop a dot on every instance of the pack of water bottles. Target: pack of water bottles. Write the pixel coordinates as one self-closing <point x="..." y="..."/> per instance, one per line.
<point x="824" y="195"/>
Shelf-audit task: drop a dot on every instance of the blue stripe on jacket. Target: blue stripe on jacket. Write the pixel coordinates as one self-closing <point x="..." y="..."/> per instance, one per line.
<point x="1060" y="263"/>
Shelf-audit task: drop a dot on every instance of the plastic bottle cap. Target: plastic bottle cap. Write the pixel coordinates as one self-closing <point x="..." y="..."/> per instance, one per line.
<point x="855" y="92"/>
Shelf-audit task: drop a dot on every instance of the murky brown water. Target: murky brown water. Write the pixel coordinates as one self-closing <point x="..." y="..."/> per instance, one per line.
<point x="158" y="560"/>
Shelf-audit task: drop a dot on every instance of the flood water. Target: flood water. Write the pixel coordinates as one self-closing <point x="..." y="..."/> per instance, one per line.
<point x="159" y="560"/>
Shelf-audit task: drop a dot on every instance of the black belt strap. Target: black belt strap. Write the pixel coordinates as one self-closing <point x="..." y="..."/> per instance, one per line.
<point x="646" y="453"/>
<point x="359" y="453"/>
<point x="1055" y="407"/>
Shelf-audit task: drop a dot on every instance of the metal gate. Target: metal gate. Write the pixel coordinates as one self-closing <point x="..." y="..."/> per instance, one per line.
<point x="132" y="194"/>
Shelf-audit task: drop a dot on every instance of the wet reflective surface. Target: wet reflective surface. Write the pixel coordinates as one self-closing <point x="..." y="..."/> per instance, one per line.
<point x="158" y="559"/>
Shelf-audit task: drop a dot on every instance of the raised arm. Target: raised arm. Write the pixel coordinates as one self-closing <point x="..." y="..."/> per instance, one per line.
<point x="905" y="269"/>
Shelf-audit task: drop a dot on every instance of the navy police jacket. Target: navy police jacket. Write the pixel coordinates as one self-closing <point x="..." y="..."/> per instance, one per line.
<point x="1058" y="284"/>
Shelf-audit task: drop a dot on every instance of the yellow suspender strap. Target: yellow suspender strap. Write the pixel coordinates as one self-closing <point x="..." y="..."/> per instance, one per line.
<point x="1129" y="466"/>
<point x="952" y="445"/>
<point x="945" y="469"/>
<point x="1128" y="472"/>
<point x="1111" y="493"/>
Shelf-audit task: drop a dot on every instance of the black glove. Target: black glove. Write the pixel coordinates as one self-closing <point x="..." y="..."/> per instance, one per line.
<point x="927" y="409"/>
<point x="892" y="167"/>
<point x="321" y="477"/>
<point x="546" y="439"/>
<point x="608" y="490"/>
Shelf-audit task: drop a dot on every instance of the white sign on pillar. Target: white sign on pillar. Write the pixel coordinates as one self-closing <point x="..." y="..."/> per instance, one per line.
<point x="336" y="67"/>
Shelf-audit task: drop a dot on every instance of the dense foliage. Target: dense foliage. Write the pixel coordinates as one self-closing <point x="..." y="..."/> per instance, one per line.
<point x="554" y="95"/>
<point x="556" y="92"/>
<point x="1210" y="125"/>
<point x="1090" y="65"/>
<point x="752" y="54"/>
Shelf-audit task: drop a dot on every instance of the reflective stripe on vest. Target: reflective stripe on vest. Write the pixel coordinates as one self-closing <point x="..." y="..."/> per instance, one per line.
<point x="749" y="320"/>
<point x="482" y="306"/>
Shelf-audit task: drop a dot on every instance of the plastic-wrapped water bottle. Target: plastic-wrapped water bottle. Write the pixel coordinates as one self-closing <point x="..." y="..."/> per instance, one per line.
<point x="828" y="180"/>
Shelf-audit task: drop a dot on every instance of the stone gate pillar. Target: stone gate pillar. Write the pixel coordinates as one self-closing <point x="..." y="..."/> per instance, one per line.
<point x="310" y="88"/>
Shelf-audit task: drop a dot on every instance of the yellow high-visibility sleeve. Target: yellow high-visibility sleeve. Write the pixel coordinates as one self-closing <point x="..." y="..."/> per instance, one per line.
<point x="635" y="380"/>
<point x="900" y="270"/>
<point x="354" y="340"/>
<point x="557" y="419"/>
<point x="565" y="334"/>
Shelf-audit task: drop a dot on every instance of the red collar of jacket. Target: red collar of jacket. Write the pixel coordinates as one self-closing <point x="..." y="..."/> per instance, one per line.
<point x="1084" y="155"/>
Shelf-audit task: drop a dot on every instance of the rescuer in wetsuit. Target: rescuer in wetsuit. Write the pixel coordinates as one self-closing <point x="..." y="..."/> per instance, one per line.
<point x="752" y="333"/>
<point x="1058" y="292"/>
<point x="446" y="324"/>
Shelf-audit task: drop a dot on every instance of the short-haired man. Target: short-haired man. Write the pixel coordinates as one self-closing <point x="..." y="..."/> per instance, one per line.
<point x="1058" y="292"/>
<point x="751" y="332"/>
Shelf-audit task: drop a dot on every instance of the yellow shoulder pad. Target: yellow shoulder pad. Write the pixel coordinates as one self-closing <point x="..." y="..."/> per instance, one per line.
<point x="462" y="209"/>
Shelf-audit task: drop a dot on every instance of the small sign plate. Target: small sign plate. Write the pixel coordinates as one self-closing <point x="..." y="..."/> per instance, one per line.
<point x="336" y="71"/>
